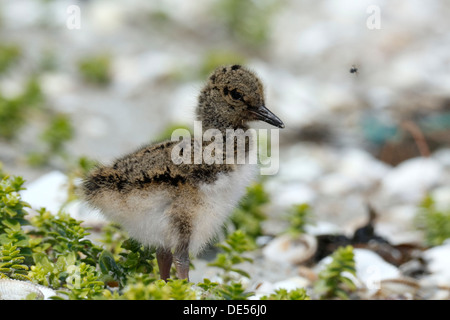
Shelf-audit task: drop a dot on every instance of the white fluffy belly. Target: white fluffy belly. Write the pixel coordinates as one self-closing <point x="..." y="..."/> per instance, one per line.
<point x="218" y="201"/>
<point x="144" y="214"/>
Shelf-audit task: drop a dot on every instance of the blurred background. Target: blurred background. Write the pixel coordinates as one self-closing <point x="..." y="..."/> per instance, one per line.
<point x="98" y="82"/>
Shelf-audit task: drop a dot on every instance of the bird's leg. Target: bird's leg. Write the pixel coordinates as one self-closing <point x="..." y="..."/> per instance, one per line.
<point x="181" y="259"/>
<point x="164" y="258"/>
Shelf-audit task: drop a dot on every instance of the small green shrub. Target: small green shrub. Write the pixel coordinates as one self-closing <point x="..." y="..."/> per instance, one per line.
<point x="233" y="291"/>
<point x="249" y="214"/>
<point x="83" y="282"/>
<point x="333" y="282"/>
<point x="9" y="54"/>
<point x="64" y="234"/>
<point x="11" y="263"/>
<point x="233" y="247"/>
<point x="434" y="222"/>
<point x="51" y="251"/>
<point x="133" y="258"/>
<point x="112" y="238"/>
<point x="299" y="216"/>
<point x="58" y="132"/>
<point x="2" y="173"/>
<point x="13" y="234"/>
<point x="15" y="111"/>
<point x="96" y="69"/>
<point x="283" y="294"/>
<point x="159" y="290"/>
<point x="248" y="21"/>
<point x="49" y="271"/>
<point x="54" y="251"/>
<point x="12" y="209"/>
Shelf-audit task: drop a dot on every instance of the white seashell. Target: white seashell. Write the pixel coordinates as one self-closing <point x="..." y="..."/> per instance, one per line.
<point x="434" y="292"/>
<point x="289" y="250"/>
<point x="18" y="290"/>
<point x="401" y="287"/>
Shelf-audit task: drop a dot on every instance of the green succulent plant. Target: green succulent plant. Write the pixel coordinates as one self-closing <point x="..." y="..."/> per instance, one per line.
<point x="334" y="280"/>
<point x="54" y="250"/>
<point x="434" y="222"/>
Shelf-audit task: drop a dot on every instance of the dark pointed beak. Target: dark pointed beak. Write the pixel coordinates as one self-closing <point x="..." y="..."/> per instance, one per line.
<point x="264" y="114"/>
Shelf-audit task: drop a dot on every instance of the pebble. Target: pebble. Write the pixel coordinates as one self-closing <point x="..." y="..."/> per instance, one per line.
<point x="106" y="17"/>
<point x="285" y="249"/>
<point x="410" y="180"/>
<point x="443" y="156"/>
<point x="441" y="197"/>
<point x="95" y="127"/>
<point x="371" y="269"/>
<point x="288" y="194"/>
<point x="291" y="283"/>
<point x="78" y="209"/>
<point x="57" y="85"/>
<point x="48" y="191"/>
<point x="361" y="167"/>
<point x="396" y="224"/>
<point x="265" y="288"/>
<point x="438" y="262"/>
<point x="22" y="15"/>
<point x="323" y="228"/>
<point x="133" y="73"/>
<point x="301" y="164"/>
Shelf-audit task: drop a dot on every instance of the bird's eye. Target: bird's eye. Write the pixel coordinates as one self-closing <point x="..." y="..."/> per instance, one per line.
<point x="236" y="95"/>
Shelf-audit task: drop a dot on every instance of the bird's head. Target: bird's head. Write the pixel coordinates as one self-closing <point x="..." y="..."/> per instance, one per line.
<point x="234" y="96"/>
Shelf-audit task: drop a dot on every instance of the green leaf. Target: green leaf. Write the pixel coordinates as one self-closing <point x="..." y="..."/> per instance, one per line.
<point x="9" y="211"/>
<point x="12" y="224"/>
<point x="241" y="272"/>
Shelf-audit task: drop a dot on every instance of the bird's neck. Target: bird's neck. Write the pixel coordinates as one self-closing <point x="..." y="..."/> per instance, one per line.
<point x="221" y="124"/>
